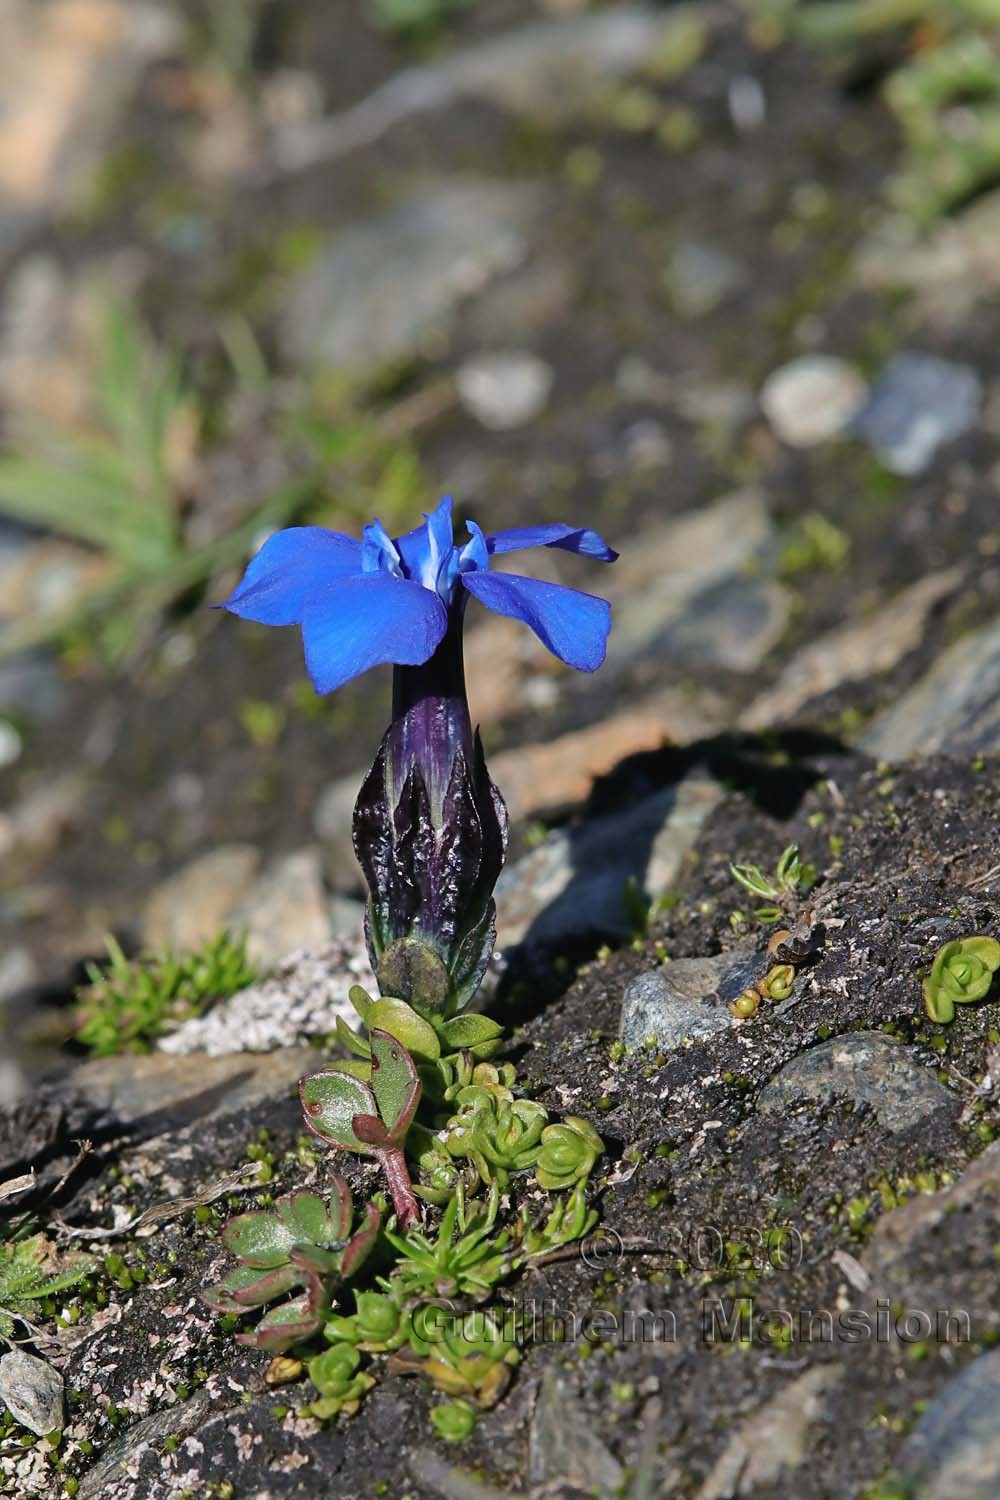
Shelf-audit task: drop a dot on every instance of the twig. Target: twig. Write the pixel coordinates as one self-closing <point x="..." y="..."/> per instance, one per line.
<point x="83" y="1149"/>
<point x="161" y="1213"/>
<point x="15" y="1185"/>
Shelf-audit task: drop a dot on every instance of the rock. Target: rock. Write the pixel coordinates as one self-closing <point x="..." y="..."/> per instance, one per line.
<point x="685" y="584"/>
<point x="299" y="1001"/>
<point x="897" y="1233"/>
<point x="572" y="884"/>
<point x="30" y="683"/>
<point x="11" y="744"/>
<point x="951" y="268"/>
<point x="811" y="399"/>
<point x="734" y="624"/>
<point x="688" y="998"/>
<point x="954" y="709"/>
<point x="285" y="909"/>
<point x="853" y="652"/>
<point x="41" y="818"/>
<point x="562" y="1444"/>
<point x="18" y="972"/>
<point x="32" y="1392"/>
<point x="699" y="277"/>
<point x="918" y="403"/>
<point x="65" y="73"/>
<point x="953" y="1453"/>
<point x="866" y="1067"/>
<point x="175" y="1091"/>
<point x="549" y="777"/>
<point x="382" y="287"/>
<point x="548" y="72"/>
<point x="774" y="1440"/>
<point x="190" y="907"/>
<point x="503" y="391"/>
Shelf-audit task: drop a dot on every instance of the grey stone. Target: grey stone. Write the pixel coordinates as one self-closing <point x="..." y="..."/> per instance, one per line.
<point x="299" y="1001"/>
<point x="548" y="71"/>
<point x="11" y="744"/>
<point x="897" y="1233"/>
<point x="954" y="709"/>
<point x="853" y="652"/>
<point x="384" y="286"/>
<point x="32" y="1392"/>
<point x="504" y="390"/>
<point x="864" y="1066"/>
<point x="775" y="1440"/>
<point x="286" y="908"/>
<point x="683" y="585"/>
<point x="699" y="277"/>
<point x="562" y="1443"/>
<point x="811" y="399"/>
<point x="688" y="998"/>
<point x="572" y="883"/>
<point x="179" y="1090"/>
<point x="953" y="1453"/>
<point x="191" y="906"/>
<point x="918" y="403"/>
<point x="734" y="624"/>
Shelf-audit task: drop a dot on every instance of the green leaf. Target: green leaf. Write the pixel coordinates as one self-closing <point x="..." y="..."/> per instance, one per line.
<point x="330" y="1101"/>
<point x="361" y="1000"/>
<point x="307" y="1218"/>
<point x="754" y="880"/>
<point x="402" y="1022"/>
<point x="352" y="1040"/>
<point x="468" y="1032"/>
<point x="394" y="1082"/>
<point x="259" y="1239"/>
<point x="986" y="949"/>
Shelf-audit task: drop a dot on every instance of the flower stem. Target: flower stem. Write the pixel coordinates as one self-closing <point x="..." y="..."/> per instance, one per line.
<point x="404" y="1201"/>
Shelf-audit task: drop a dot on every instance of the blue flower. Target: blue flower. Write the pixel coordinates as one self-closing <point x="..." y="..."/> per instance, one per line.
<point x="361" y="604"/>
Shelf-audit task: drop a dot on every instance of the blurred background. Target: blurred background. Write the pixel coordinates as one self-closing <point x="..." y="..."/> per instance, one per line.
<point x="720" y="280"/>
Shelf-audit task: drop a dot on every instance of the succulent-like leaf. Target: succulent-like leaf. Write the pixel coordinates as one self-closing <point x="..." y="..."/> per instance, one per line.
<point x="307" y="1217"/>
<point x="470" y="1031"/>
<point x="361" y="1243"/>
<point x="395" y="1083"/>
<point x="370" y="1130"/>
<point x="330" y="1100"/>
<point x="248" y="1286"/>
<point x="401" y="1021"/>
<point x="284" y="1326"/>
<point x="341" y="1208"/>
<point x="259" y="1239"/>
<point x="352" y="1040"/>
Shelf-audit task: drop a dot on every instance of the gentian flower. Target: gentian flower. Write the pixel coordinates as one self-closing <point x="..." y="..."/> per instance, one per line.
<point x="430" y="828"/>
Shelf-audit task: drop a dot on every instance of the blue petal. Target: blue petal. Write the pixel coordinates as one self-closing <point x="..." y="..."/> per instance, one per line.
<point x="441" y="536"/>
<point x="475" y="553"/>
<point x="574" y="626"/>
<point x="290" y="566"/>
<point x="366" y="621"/>
<point x="571" y="538"/>
<point x="378" y="553"/>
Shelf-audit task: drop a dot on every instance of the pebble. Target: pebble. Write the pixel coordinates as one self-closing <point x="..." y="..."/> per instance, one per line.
<point x="867" y="1068"/>
<point x="812" y="399"/>
<point x="32" y="1392"/>
<point x="953" y="1452"/>
<point x="684" y="1000"/>
<point x="954" y="708"/>
<point x="919" y="403"/>
<point x="504" y="390"/>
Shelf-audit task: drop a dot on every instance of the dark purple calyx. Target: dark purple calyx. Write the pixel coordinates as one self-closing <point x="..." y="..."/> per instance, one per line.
<point x="430" y="832"/>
